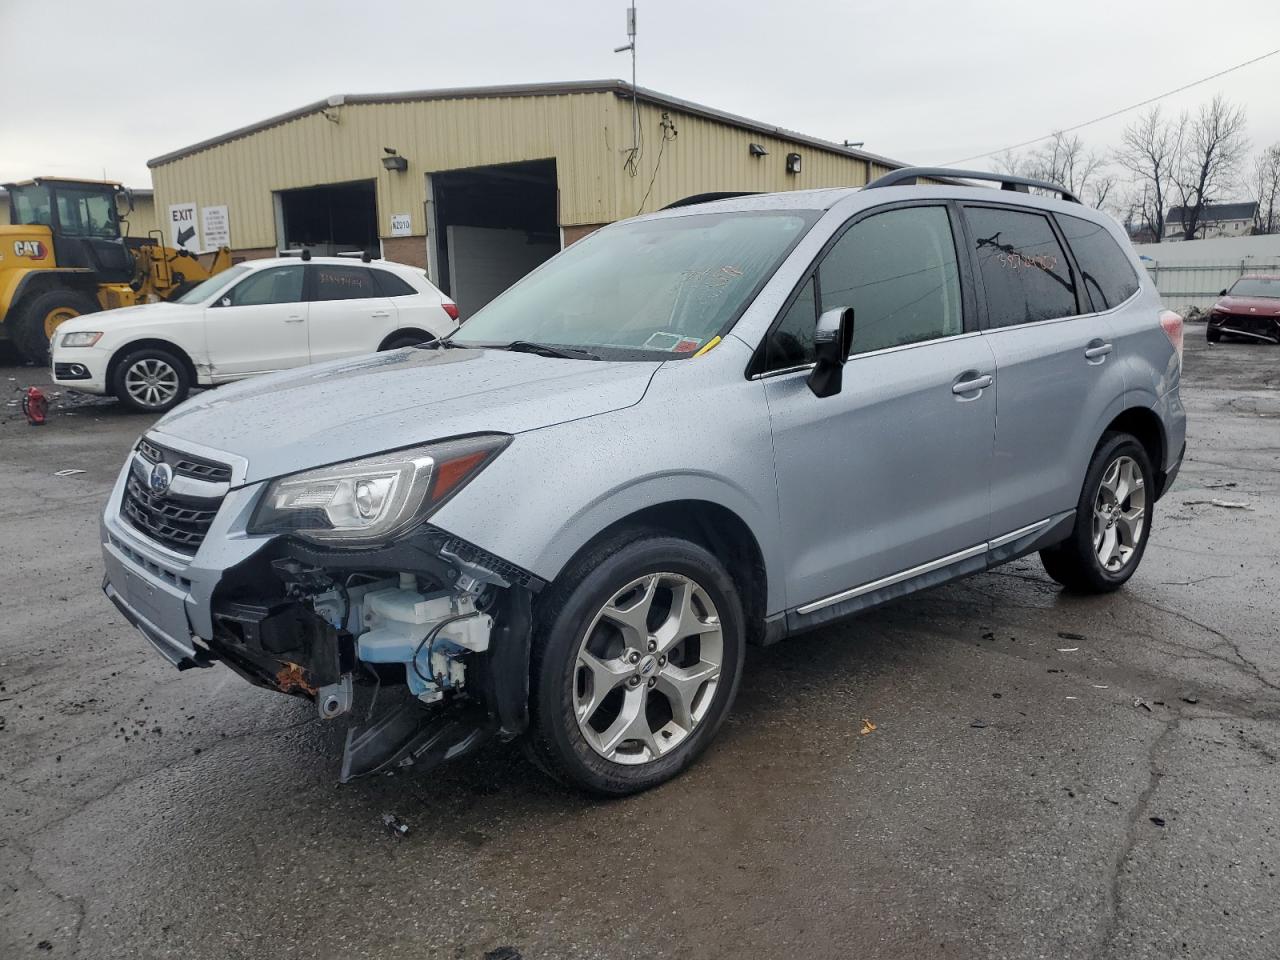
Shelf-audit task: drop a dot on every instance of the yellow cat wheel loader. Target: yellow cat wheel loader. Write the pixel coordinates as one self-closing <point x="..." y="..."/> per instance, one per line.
<point x="66" y="251"/>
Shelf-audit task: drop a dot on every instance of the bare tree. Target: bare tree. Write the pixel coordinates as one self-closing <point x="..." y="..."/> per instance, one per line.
<point x="1265" y="186"/>
<point x="1150" y="149"/>
<point x="1214" y="147"/>
<point x="1065" y="160"/>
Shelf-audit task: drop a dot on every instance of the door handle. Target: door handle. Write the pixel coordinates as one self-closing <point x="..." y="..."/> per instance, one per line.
<point x="296" y="318"/>
<point x="961" y="387"/>
<point x="1098" y="351"/>
<point x="380" y="314"/>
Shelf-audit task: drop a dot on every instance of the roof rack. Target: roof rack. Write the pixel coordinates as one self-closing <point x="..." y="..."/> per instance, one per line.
<point x="709" y="197"/>
<point x="910" y="175"/>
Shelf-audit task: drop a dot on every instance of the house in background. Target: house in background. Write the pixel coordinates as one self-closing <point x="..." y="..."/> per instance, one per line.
<point x="1216" y="220"/>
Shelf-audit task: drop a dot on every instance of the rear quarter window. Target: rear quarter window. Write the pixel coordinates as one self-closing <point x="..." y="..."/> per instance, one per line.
<point x="1105" y="270"/>
<point x="391" y="285"/>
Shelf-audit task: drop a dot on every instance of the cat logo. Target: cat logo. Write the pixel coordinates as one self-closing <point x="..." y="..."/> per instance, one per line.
<point x="30" y="248"/>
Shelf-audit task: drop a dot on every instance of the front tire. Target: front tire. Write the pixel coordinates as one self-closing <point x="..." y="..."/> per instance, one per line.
<point x="34" y="323"/>
<point x="637" y="655"/>
<point x="150" y="380"/>
<point x="1113" y="520"/>
<point x="1212" y="335"/>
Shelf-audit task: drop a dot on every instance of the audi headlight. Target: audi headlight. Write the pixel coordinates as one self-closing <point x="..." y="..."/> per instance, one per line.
<point x="81" y="338"/>
<point x="373" y="499"/>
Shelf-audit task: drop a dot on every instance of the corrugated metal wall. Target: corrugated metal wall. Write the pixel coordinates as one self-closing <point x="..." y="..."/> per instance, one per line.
<point x="706" y="155"/>
<point x="587" y="134"/>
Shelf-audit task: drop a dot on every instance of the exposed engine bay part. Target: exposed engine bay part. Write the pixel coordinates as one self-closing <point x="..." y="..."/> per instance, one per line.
<point x="450" y="632"/>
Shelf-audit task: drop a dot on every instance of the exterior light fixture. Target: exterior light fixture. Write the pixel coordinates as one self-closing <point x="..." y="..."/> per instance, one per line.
<point x="793" y="163"/>
<point x="757" y="150"/>
<point x="393" y="161"/>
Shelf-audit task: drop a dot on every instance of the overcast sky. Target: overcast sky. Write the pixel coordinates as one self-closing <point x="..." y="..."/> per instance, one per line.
<point x="94" y="86"/>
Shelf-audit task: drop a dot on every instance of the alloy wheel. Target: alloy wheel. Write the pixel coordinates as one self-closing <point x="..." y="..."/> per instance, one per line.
<point x="647" y="668"/>
<point x="1119" y="514"/>
<point x="151" y="382"/>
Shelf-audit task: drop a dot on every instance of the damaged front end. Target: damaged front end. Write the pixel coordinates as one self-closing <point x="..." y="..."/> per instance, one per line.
<point x="429" y="613"/>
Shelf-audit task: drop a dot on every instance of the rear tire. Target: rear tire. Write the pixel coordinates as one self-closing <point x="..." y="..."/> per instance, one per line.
<point x="617" y="709"/>
<point x="33" y="324"/>
<point x="1113" y="520"/>
<point x="150" y="380"/>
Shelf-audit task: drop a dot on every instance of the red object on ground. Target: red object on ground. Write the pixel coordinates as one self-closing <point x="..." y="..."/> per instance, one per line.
<point x="35" y="406"/>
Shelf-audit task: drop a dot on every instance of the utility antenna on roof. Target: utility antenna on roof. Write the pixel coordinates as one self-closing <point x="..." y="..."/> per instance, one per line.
<point x="633" y="155"/>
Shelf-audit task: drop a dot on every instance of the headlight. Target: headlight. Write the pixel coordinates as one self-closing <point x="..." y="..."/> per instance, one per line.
<point x="82" y="338"/>
<point x="372" y="500"/>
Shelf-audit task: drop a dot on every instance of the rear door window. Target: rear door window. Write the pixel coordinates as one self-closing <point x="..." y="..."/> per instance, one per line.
<point x="344" y="283"/>
<point x="1025" y="273"/>
<point x="1104" y="269"/>
<point x="273" y="285"/>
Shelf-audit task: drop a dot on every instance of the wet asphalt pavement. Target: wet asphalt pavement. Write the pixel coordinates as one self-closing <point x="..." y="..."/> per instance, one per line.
<point x="1049" y="776"/>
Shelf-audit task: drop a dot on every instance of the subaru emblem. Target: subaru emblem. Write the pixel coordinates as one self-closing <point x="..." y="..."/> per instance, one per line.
<point x="160" y="479"/>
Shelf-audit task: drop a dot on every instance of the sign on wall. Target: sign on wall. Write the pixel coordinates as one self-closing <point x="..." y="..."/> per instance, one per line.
<point x="182" y="227"/>
<point x="215" y="225"/>
<point x="401" y="225"/>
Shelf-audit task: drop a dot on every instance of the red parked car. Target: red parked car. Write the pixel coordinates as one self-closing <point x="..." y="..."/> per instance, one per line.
<point x="1251" y="308"/>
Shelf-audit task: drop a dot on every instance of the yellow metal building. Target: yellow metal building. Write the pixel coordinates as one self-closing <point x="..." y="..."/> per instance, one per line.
<point x="479" y="185"/>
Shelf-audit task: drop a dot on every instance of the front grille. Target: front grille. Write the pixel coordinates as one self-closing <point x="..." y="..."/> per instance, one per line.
<point x="178" y="522"/>
<point x="184" y="464"/>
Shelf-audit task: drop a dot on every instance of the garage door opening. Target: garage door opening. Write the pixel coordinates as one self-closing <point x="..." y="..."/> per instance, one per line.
<point x="490" y="226"/>
<point x="328" y="220"/>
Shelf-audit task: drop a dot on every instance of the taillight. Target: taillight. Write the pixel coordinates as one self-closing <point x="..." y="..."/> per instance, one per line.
<point x="1171" y="323"/>
<point x="451" y="309"/>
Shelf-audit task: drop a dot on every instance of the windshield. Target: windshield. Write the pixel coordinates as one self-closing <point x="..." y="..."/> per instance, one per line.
<point x="1256" y="287"/>
<point x="649" y="289"/>
<point x="213" y="286"/>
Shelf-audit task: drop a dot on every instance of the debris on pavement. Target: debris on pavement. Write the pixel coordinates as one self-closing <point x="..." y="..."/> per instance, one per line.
<point x="1218" y="484"/>
<point x="1102" y="686"/>
<point x="1139" y="702"/>
<point x="979" y="724"/>
<point x="1064" y="635"/>
<point x="503" y="953"/>
<point x="1190" y="699"/>
<point x="69" y="472"/>
<point x="1068" y="649"/>
<point x="867" y="727"/>
<point x="35" y="406"/>
<point x="1215" y="502"/>
<point x="395" y="826"/>
<point x="1158" y="821"/>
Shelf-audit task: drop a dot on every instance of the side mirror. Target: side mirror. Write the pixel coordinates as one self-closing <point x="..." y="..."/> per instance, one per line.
<point x="1222" y="293"/>
<point x="832" y="342"/>
<point x="224" y="302"/>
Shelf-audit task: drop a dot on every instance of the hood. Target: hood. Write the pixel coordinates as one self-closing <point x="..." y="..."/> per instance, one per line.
<point x="1263" y="306"/>
<point x="297" y="419"/>
<point x="144" y="312"/>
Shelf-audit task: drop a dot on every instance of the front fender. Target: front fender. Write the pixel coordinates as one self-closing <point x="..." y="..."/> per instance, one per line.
<point x="554" y="489"/>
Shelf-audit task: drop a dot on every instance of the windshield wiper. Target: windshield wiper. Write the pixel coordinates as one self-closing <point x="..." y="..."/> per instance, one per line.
<point x="547" y="350"/>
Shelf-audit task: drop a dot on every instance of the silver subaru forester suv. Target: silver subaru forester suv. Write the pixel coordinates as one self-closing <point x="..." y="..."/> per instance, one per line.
<point x="720" y="424"/>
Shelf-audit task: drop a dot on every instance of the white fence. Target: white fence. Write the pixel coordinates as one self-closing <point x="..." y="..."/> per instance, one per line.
<point x="1198" y="284"/>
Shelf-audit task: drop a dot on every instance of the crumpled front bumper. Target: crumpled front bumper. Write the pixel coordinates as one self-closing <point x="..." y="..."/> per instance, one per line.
<point x="167" y="594"/>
